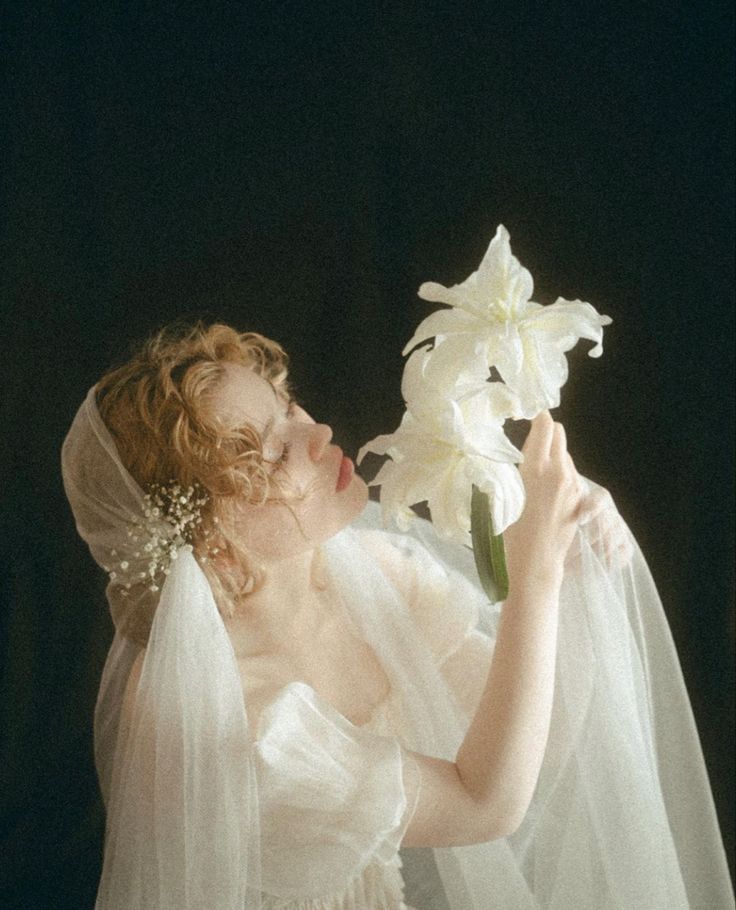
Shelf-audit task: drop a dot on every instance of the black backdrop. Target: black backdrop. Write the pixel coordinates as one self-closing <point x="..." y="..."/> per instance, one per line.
<point x="299" y="169"/>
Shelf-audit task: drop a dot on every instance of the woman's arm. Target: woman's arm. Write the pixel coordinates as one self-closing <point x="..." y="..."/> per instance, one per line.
<point x="485" y="792"/>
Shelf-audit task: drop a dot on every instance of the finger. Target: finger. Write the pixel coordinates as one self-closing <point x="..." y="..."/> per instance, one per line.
<point x="611" y="546"/>
<point x="597" y="533"/>
<point x="604" y="534"/>
<point x="579" y="511"/>
<point x="537" y="443"/>
<point x="569" y="463"/>
<point x="579" y="485"/>
<point x="594" y="505"/>
<point x="558" y="445"/>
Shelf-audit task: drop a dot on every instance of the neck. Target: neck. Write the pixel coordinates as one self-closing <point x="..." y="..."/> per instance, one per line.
<point x="288" y="607"/>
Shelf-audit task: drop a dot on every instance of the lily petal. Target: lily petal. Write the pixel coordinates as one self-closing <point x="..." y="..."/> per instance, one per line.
<point x="506" y="283"/>
<point x="455" y="359"/>
<point x="566" y="321"/>
<point x="379" y="446"/>
<point x="433" y="292"/>
<point x="450" y="505"/>
<point x="442" y="322"/>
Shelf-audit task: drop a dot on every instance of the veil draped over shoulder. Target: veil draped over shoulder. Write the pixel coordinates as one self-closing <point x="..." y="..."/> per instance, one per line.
<point x="622" y="817"/>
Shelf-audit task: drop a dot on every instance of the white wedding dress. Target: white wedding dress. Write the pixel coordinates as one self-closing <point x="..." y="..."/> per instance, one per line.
<point x="209" y="808"/>
<point x="336" y="798"/>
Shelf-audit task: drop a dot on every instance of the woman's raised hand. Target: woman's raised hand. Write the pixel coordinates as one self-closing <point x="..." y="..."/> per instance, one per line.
<point x="538" y="542"/>
<point x="604" y="530"/>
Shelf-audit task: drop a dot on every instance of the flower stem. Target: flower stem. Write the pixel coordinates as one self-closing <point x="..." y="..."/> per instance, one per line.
<point x="488" y="549"/>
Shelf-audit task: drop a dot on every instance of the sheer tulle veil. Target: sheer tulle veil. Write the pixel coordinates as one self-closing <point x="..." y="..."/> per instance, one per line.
<point x="622" y="817"/>
<point x="179" y="778"/>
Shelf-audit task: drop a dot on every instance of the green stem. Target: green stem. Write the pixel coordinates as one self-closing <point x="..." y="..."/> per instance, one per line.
<point x="488" y="550"/>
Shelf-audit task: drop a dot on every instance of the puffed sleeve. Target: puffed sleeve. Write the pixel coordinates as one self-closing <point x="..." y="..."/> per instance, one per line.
<point x="333" y="797"/>
<point x="446" y="608"/>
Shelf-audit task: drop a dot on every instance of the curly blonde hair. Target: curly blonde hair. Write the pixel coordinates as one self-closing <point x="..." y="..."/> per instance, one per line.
<point x="157" y="407"/>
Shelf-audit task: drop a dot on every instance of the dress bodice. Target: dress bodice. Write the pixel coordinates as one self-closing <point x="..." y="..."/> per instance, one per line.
<point x="336" y="799"/>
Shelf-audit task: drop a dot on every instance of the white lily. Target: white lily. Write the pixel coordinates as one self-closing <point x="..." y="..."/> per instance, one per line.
<point x="450" y="438"/>
<point x="460" y="403"/>
<point x="494" y="323"/>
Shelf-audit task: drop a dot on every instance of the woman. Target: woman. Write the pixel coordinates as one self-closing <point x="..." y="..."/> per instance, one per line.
<point x="294" y="694"/>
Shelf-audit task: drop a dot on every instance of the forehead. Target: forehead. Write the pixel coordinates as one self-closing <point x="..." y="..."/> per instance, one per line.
<point x="243" y="396"/>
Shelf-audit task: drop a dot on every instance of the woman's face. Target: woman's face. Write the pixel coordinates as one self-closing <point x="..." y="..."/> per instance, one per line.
<point x="322" y="494"/>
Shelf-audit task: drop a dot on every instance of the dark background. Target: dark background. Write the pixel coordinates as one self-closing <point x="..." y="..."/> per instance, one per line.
<point x="299" y="169"/>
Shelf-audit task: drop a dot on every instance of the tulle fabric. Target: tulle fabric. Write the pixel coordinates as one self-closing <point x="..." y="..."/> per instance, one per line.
<point x="334" y="797"/>
<point x="622" y="816"/>
<point x="182" y="804"/>
<point x="174" y="754"/>
<point x="379" y="887"/>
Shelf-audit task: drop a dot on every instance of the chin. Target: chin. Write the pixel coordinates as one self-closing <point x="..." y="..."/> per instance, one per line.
<point x="358" y="493"/>
<point x="346" y="507"/>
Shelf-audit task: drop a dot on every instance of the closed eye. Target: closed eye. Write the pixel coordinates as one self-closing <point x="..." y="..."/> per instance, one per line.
<point x="285" y="446"/>
<point x="284" y="457"/>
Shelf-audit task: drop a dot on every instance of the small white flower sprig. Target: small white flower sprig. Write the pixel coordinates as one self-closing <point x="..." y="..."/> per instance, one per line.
<point x="171" y="516"/>
<point x="450" y="449"/>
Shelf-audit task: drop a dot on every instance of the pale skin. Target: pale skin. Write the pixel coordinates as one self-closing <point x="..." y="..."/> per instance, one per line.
<point x="485" y="792"/>
<point x="293" y="629"/>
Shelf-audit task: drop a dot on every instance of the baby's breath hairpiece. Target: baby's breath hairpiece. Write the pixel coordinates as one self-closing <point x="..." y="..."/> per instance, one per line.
<point x="171" y="515"/>
<point x="179" y="510"/>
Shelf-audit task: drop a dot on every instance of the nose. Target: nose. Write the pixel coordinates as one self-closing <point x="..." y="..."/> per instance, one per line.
<point x="321" y="436"/>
